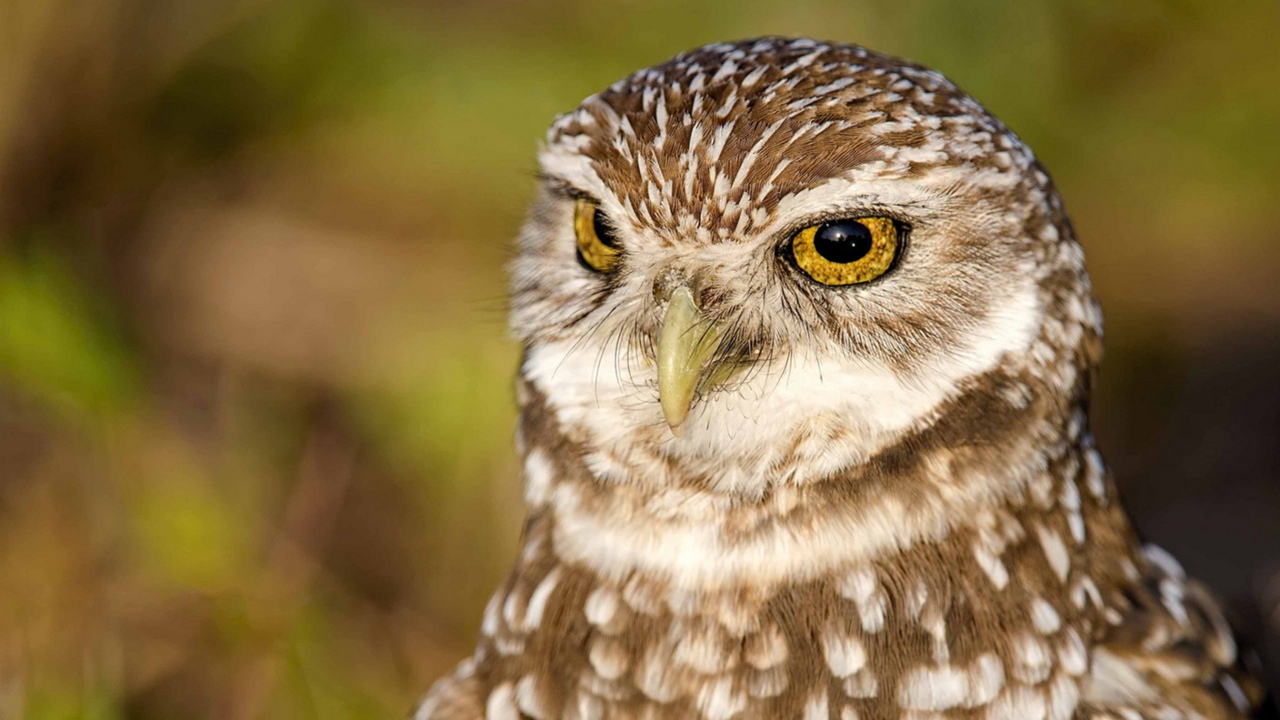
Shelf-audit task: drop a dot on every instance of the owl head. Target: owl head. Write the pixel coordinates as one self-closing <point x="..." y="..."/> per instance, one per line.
<point x="762" y="262"/>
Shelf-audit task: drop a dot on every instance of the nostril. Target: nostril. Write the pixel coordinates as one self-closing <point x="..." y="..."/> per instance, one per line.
<point x="666" y="283"/>
<point x="706" y="297"/>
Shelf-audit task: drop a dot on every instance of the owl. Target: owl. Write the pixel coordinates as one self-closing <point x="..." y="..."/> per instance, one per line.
<point x="807" y="351"/>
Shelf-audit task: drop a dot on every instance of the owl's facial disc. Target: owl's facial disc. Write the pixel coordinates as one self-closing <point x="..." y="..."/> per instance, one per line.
<point x="828" y="332"/>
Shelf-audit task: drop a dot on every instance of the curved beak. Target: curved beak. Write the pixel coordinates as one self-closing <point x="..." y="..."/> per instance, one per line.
<point x="687" y="342"/>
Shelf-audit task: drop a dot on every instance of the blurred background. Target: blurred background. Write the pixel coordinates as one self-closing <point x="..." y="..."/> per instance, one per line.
<point x="255" y="389"/>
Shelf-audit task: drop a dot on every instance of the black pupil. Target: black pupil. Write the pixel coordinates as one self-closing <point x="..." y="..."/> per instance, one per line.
<point x="842" y="241"/>
<point x="603" y="231"/>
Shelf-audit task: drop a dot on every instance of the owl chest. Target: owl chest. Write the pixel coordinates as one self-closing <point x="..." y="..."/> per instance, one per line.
<point x="871" y="642"/>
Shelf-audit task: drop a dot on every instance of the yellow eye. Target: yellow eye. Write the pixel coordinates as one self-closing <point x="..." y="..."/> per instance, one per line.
<point x="846" y="252"/>
<point x="597" y="244"/>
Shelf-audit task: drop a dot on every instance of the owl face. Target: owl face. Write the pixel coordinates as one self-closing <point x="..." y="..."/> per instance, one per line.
<point x="762" y="262"/>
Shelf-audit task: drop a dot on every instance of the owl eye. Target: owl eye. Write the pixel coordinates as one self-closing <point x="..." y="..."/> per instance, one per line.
<point x="846" y="252"/>
<point x="597" y="244"/>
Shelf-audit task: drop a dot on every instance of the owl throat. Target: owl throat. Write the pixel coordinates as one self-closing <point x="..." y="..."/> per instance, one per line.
<point x="971" y="559"/>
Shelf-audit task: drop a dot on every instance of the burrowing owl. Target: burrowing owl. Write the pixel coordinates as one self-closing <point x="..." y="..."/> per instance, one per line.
<point x="808" y="344"/>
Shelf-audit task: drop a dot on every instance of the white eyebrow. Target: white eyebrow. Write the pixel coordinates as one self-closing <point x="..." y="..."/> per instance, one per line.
<point x="572" y="168"/>
<point x="856" y="190"/>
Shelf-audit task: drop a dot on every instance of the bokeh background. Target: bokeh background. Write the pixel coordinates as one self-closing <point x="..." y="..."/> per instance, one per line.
<point x="255" y="396"/>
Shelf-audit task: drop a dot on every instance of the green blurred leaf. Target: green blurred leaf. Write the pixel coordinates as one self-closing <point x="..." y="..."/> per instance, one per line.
<point x="53" y="347"/>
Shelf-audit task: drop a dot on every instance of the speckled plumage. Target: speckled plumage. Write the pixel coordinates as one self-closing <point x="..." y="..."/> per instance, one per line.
<point x="893" y="508"/>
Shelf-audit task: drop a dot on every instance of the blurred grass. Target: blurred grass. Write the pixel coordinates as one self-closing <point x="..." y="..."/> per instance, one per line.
<point x="255" y="404"/>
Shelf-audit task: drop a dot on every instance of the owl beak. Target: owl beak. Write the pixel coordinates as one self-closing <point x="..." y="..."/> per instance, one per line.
<point x="687" y="342"/>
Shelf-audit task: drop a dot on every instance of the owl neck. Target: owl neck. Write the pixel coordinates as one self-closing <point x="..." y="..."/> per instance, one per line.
<point x="1008" y="446"/>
